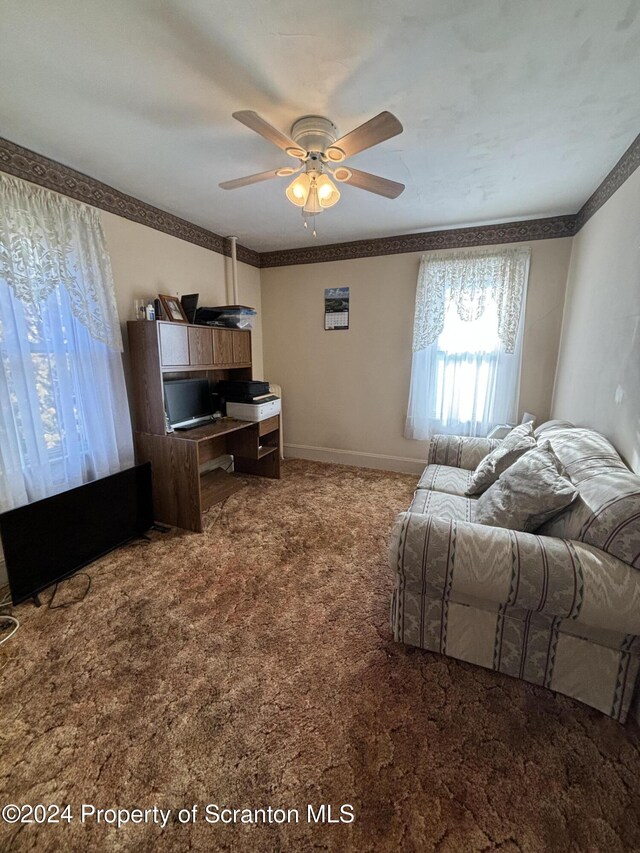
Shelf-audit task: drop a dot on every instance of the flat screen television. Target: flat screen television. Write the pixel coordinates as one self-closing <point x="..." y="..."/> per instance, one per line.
<point x="188" y="402"/>
<point x="48" y="540"/>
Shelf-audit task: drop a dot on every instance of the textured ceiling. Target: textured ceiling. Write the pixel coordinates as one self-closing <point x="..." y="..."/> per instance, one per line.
<point x="512" y="109"/>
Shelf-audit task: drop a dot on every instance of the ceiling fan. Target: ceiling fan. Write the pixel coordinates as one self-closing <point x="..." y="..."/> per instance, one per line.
<point x="314" y="142"/>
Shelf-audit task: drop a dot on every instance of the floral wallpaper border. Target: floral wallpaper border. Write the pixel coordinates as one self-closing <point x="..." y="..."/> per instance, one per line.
<point x="26" y="164"/>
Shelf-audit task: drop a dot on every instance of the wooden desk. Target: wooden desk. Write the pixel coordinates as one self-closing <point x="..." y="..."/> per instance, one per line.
<point x="181" y="490"/>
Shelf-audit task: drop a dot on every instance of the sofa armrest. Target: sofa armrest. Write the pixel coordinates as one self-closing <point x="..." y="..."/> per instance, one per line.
<point x="460" y="451"/>
<point x="562" y="578"/>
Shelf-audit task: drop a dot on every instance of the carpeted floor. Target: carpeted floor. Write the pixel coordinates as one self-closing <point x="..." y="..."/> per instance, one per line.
<point x="253" y="666"/>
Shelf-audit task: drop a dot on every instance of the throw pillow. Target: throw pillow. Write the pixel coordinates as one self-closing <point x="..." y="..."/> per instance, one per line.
<point x="527" y="494"/>
<point x="517" y="442"/>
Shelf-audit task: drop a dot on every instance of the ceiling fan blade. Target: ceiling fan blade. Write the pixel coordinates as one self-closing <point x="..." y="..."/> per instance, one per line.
<point x="374" y="184"/>
<point x="250" y="179"/>
<point x="253" y="121"/>
<point x="380" y="127"/>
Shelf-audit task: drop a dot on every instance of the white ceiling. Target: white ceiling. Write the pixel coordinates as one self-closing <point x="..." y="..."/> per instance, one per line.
<point x="511" y="108"/>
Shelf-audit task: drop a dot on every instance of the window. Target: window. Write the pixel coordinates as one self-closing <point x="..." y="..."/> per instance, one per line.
<point x="63" y="410"/>
<point x="467" y="342"/>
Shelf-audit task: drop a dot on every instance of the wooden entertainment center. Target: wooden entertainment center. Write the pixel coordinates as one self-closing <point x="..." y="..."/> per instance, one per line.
<point x="182" y="489"/>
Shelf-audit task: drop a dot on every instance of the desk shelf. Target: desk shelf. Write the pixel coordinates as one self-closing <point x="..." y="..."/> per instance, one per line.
<point x="216" y="486"/>
<point x="265" y="451"/>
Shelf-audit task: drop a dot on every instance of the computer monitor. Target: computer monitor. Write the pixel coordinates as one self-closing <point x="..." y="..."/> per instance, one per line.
<point x="187" y="402"/>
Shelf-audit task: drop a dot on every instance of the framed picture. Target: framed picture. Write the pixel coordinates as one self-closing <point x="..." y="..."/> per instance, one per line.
<point x="172" y="308"/>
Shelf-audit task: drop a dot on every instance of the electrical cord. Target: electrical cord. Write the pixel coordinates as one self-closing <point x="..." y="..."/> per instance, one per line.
<point x="215" y="520"/>
<point x="50" y="605"/>
<point x="6" y="617"/>
<point x="6" y="602"/>
<point x="15" y="628"/>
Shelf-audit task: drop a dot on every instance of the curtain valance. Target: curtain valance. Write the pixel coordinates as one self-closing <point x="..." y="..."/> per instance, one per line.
<point x="467" y="279"/>
<point x="48" y="241"/>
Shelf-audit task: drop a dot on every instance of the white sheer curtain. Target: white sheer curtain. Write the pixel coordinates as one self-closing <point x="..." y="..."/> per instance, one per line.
<point x="467" y="341"/>
<point x="64" y="417"/>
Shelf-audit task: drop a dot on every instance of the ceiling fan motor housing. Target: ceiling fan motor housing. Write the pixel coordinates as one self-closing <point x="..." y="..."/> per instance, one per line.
<point x="314" y="133"/>
<point x="313" y="164"/>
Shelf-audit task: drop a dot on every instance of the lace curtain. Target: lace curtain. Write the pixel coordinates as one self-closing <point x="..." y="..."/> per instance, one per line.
<point x="64" y="417"/>
<point x="467" y="341"/>
<point x="48" y="241"/>
<point x="468" y="280"/>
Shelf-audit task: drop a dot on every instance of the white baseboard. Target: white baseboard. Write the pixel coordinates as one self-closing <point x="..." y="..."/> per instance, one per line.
<point x="402" y="464"/>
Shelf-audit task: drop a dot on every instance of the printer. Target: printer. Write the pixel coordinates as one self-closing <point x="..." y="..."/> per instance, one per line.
<point x="248" y="400"/>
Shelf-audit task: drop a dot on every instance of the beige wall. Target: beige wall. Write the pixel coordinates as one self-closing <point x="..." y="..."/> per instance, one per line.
<point x="598" y="377"/>
<point x="146" y="262"/>
<point x="345" y="393"/>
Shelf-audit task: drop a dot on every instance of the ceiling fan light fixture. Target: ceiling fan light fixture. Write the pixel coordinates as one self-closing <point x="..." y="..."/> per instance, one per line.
<point x="342" y="174"/>
<point x="328" y="193"/>
<point x="312" y="205"/>
<point x="298" y="190"/>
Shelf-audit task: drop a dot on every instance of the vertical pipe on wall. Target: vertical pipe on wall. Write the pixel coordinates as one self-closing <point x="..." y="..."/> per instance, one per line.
<point x="234" y="268"/>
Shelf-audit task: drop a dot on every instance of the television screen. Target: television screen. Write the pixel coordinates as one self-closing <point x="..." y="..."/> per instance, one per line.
<point x="45" y="541"/>
<point x="187" y="401"/>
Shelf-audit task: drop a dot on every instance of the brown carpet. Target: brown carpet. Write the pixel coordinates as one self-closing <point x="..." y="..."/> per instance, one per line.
<point x="253" y="666"/>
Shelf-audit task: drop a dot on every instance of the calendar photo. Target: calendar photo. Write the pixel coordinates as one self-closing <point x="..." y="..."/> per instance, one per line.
<point x="336" y="308"/>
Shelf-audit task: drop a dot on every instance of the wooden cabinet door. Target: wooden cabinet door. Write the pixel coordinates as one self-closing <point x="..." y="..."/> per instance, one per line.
<point x="223" y="346"/>
<point x="241" y="347"/>
<point x="174" y="344"/>
<point x="200" y="345"/>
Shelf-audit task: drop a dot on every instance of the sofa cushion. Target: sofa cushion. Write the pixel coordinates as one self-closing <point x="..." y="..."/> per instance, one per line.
<point x="447" y="507"/>
<point x="527" y="494"/>
<point x="517" y="442"/>
<point x="444" y="478"/>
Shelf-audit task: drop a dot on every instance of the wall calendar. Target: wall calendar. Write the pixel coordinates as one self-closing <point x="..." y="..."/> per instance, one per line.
<point x="336" y="308"/>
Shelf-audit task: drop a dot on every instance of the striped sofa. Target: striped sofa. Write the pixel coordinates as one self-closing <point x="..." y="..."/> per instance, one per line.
<point x="559" y="608"/>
